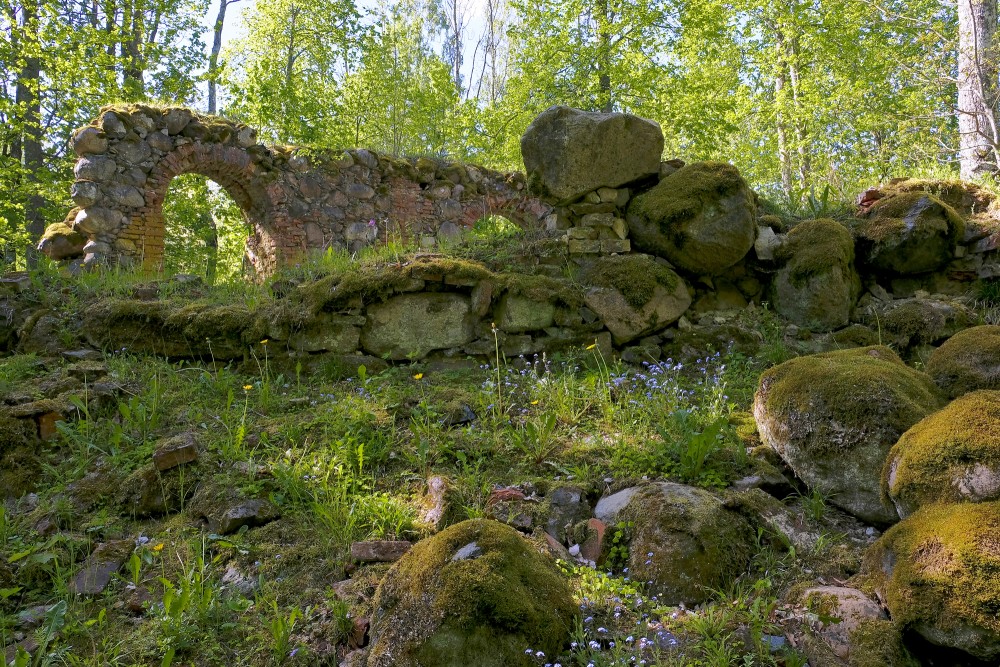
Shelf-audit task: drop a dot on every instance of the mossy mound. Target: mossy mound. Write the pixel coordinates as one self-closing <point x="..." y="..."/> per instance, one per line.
<point x="817" y="286"/>
<point x="909" y="233"/>
<point x="951" y="456"/>
<point x="683" y="539"/>
<point x="967" y="361"/>
<point x="20" y="464"/>
<point x="938" y="572"/>
<point x="61" y="242"/>
<point x="171" y="328"/>
<point x="907" y="324"/>
<point x="833" y="417"/>
<point x="635" y="276"/>
<point x="477" y="593"/>
<point x="702" y="218"/>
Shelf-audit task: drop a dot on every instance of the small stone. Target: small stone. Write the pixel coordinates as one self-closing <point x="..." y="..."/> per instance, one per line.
<point x="592" y="547"/>
<point x="106" y="560"/>
<point x="246" y="137"/>
<point x="84" y="193"/>
<point x="360" y="191"/>
<point x="160" y="141"/>
<point x="250" y="513"/>
<point x="379" y="551"/>
<point x="597" y="220"/>
<point x="176" y="120"/>
<point x="94" y="168"/>
<point x="610" y="246"/>
<point x="176" y="451"/>
<point x="358" y="635"/>
<point x="582" y="233"/>
<point x="574" y="550"/>
<point x="582" y="247"/>
<point x="47" y="425"/>
<point x="766" y="244"/>
<point x="15" y="283"/>
<point x="468" y="552"/>
<point x="607" y="194"/>
<point x="97" y="220"/>
<point x="504" y="495"/>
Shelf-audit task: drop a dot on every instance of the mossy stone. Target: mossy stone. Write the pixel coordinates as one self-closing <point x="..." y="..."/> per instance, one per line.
<point x="910" y="233"/>
<point x="938" y="572"/>
<point x="702" y="218"/>
<point x="697" y="544"/>
<point x="834" y="416"/>
<point x="60" y="241"/>
<point x="967" y="361"/>
<point x="952" y="455"/>
<point x="817" y="287"/>
<point x="477" y="593"/>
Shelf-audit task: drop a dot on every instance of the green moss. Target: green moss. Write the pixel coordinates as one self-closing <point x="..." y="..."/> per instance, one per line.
<point x="816" y="246"/>
<point x="879" y="643"/>
<point x="890" y="218"/>
<point x="541" y="288"/>
<point x="923" y="466"/>
<point x="688" y="190"/>
<point x="940" y="568"/>
<point x="967" y="361"/>
<point x="62" y="230"/>
<point x="857" y="387"/>
<point x="434" y="610"/>
<point x="635" y="276"/>
<point x="967" y="198"/>
<point x="856" y="335"/>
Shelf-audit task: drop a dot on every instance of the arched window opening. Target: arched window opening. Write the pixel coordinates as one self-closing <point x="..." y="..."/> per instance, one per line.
<point x="205" y="231"/>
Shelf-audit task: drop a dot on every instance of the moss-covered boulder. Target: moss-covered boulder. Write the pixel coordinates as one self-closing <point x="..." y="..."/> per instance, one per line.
<point x="568" y="153"/>
<point x="834" y="416"/>
<point x="952" y="455"/>
<point x="938" y="572"/>
<point x="702" y="218"/>
<point x="909" y="233"/>
<point x="683" y="539"/>
<point x="60" y="242"/>
<point x="817" y="287"/>
<point x="634" y="295"/>
<point x="967" y="361"/>
<point x="477" y="593"/>
<point x="20" y="463"/>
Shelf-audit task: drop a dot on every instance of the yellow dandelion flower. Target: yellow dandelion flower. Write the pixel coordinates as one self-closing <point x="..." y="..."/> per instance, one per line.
<point x="247" y="387"/>
<point x="265" y="341"/>
<point x="158" y="548"/>
<point x="535" y="402"/>
<point x="591" y="347"/>
<point x="418" y="376"/>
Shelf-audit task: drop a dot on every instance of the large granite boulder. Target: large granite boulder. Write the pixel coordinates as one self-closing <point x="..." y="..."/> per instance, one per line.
<point x="909" y="233"/>
<point x="817" y="286"/>
<point x="683" y="539"/>
<point x="568" y="153"/>
<point x="411" y="325"/>
<point x="702" y="218"/>
<point x="850" y="630"/>
<point x="634" y="295"/>
<point x="936" y="571"/>
<point x="477" y="593"/>
<point x="967" y="361"/>
<point x="833" y="418"/>
<point x="952" y="455"/>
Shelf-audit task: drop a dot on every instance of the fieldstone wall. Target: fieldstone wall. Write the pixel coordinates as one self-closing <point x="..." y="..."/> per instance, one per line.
<point x="294" y="199"/>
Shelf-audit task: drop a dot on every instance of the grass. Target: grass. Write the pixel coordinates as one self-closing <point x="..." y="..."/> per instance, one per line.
<point x="345" y="457"/>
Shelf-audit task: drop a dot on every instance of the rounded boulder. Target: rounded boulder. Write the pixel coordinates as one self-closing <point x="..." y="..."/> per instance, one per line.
<point x="967" y="361"/>
<point x="477" y="593"/>
<point x="701" y="218"/>
<point x="817" y="286"/>
<point x="683" y="539"/>
<point x="909" y="233"/>
<point x="952" y="455"/>
<point x="833" y="417"/>
<point x="936" y="571"/>
<point x="568" y="153"/>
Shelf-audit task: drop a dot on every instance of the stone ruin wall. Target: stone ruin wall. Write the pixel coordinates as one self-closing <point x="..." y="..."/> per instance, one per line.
<point x="294" y="199"/>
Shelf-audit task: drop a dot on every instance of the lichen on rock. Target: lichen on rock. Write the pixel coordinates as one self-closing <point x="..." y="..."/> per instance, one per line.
<point x="909" y="233"/>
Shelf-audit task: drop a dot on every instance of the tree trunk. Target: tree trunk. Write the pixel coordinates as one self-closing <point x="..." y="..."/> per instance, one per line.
<point x="213" y="60"/>
<point x="29" y="148"/>
<point x="133" y="32"/>
<point x="780" y="97"/>
<point x="801" y="136"/>
<point x="977" y="87"/>
<point x="605" y="100"/>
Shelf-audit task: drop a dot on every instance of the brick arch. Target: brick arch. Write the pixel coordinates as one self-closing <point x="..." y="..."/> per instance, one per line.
<point x="230" y="167"/>
<point x="295" y="199"/>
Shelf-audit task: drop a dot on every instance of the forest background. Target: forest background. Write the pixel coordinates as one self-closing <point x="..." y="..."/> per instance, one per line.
<point x="808" y="98"/>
